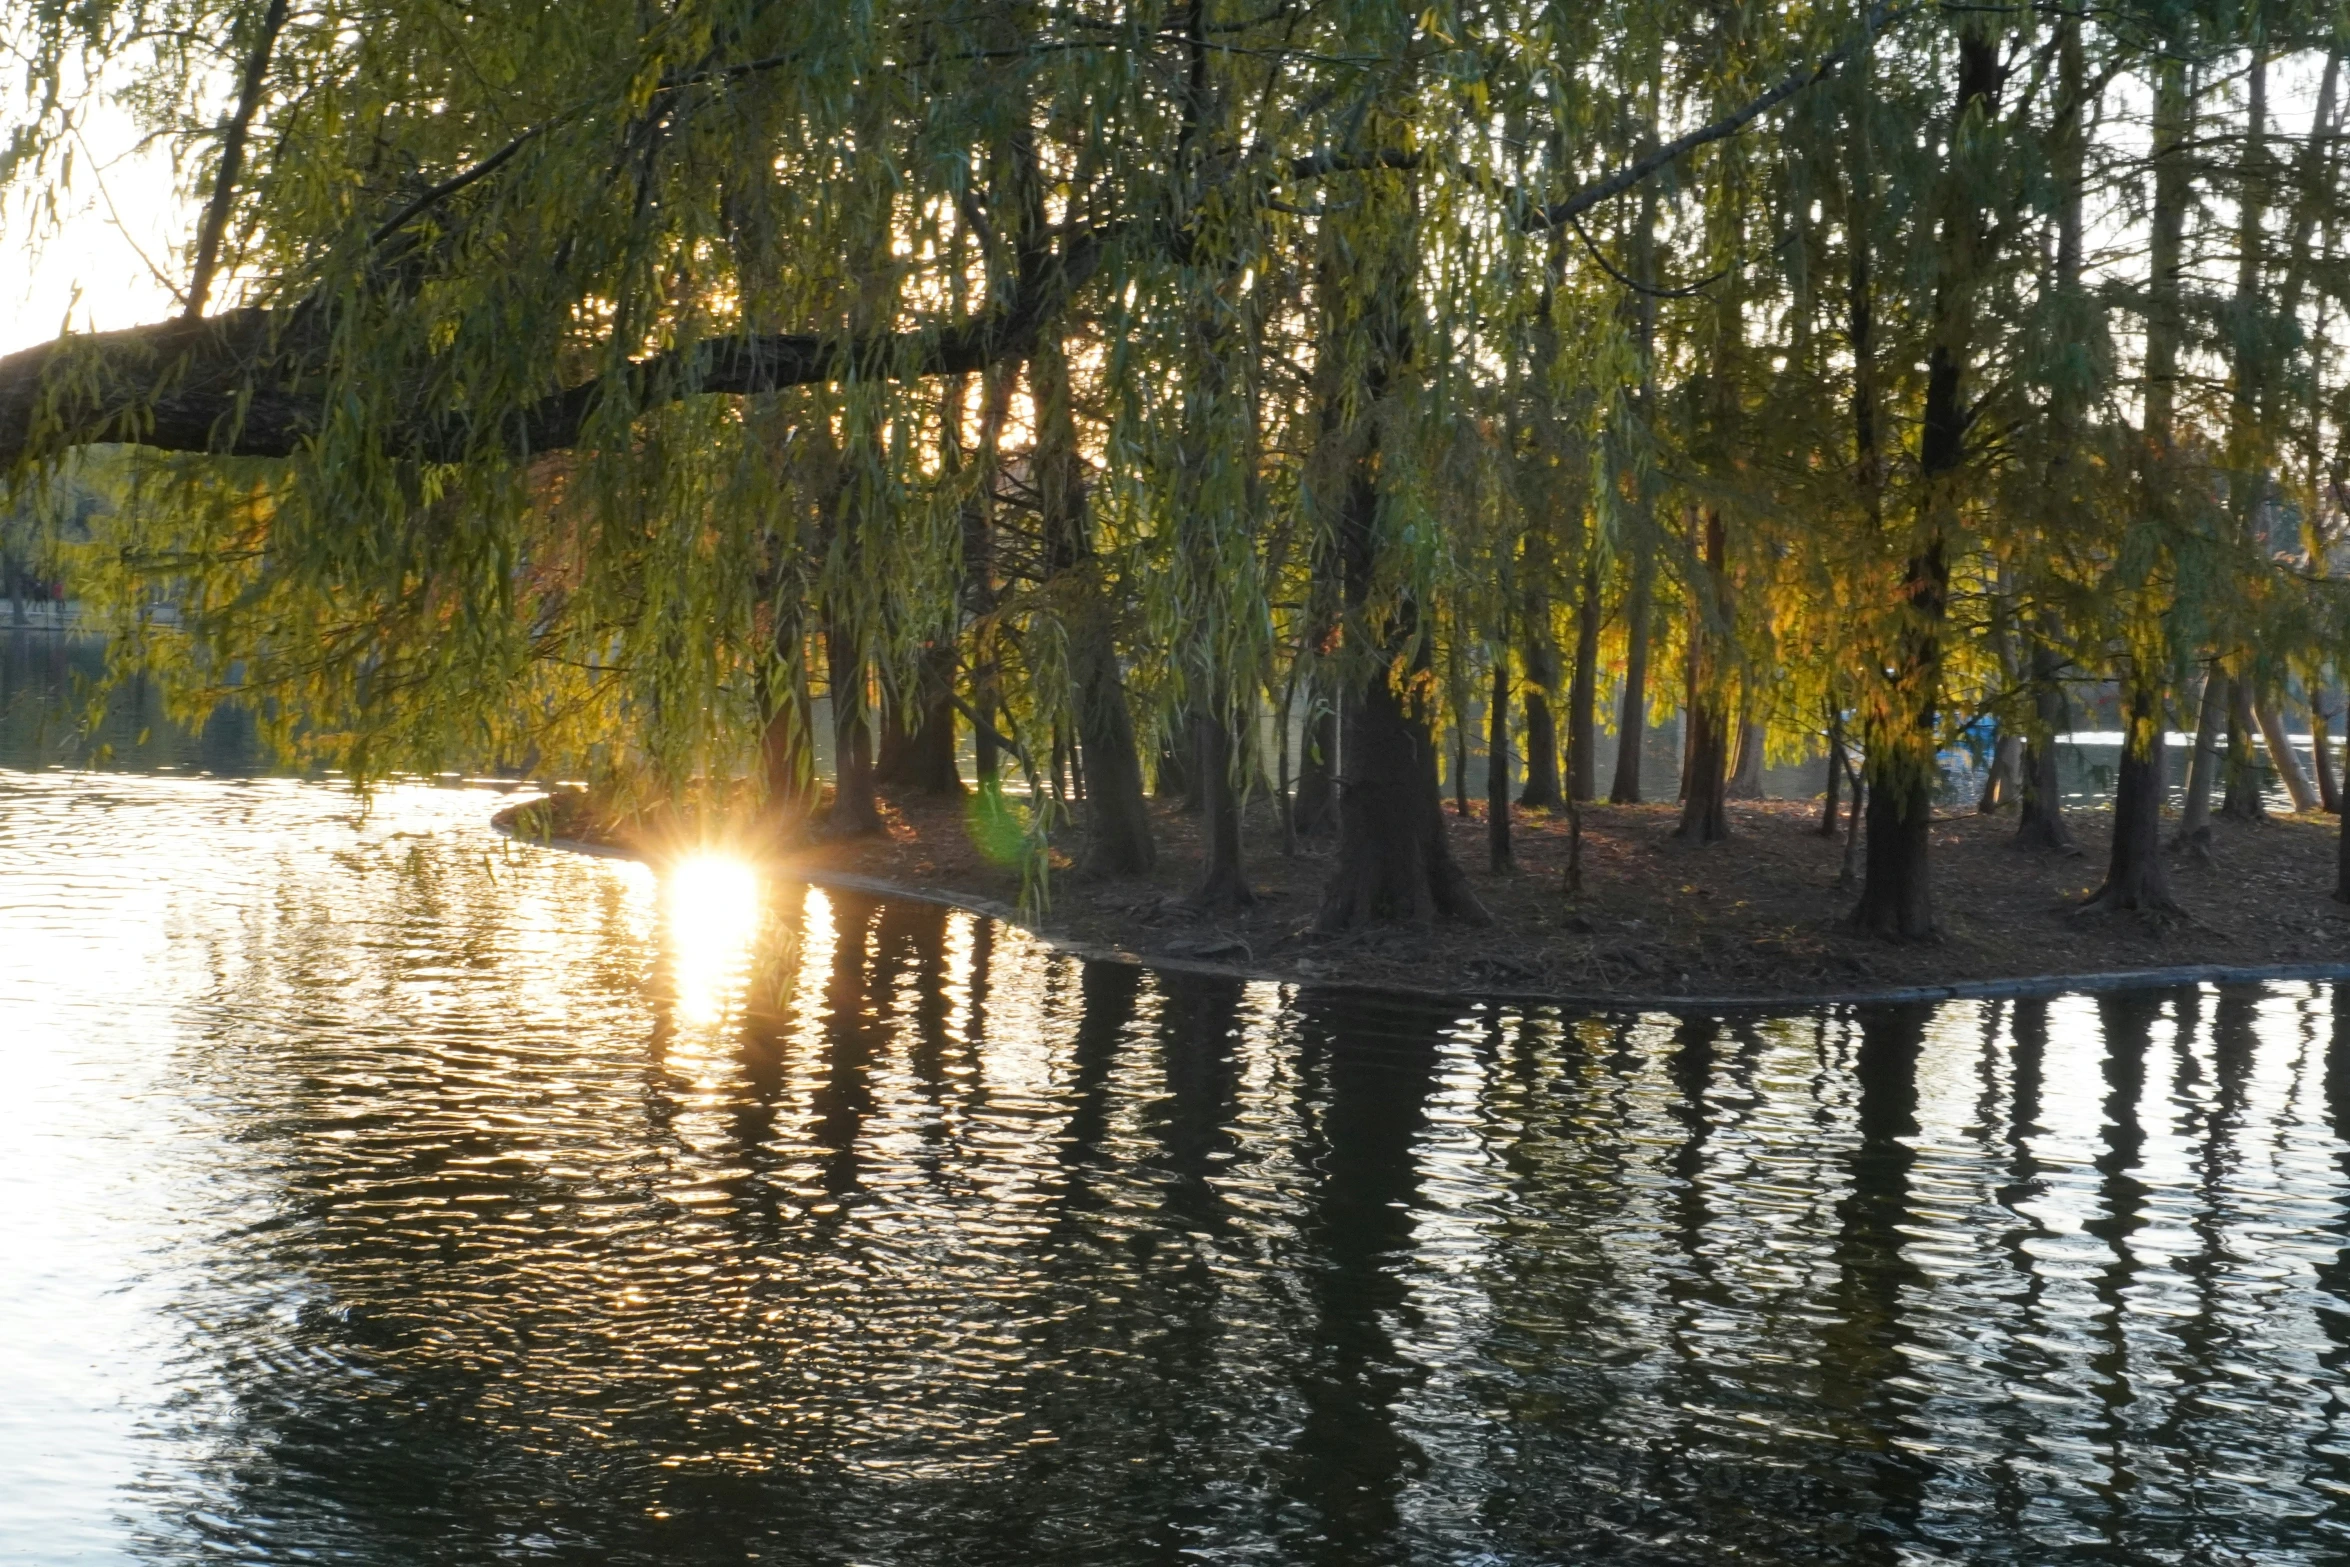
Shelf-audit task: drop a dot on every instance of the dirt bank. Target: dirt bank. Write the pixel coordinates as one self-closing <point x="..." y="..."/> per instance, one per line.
<point x="1756" y="916"/>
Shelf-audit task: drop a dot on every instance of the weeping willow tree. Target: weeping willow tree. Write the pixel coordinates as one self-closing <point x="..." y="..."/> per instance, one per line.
<point x="603" y="389"/>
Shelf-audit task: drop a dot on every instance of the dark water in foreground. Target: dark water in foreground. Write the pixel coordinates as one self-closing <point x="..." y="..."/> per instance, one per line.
<point x="376" y="1192"/>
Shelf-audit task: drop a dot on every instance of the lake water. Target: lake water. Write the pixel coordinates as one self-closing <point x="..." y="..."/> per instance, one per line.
<point x="375" y="1191"/>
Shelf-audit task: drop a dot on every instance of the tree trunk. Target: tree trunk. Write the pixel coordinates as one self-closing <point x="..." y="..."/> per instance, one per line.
<point x="1542" y="791"/>
<point x="856" y="811"/>
<point x="1542" y="752"/>
<point x="2321" y="740"/>
<point x="1394" y="861"/>
<point x="1583" y="693"/>
<point x="1632" y="712"/>
<point x="787" y="756"/>
<point x="1896" y="895"/>
<point x="2242" y="800"/>
<point x="2342" y="861"/>
<point x="1849" y="872"/>
<point x="1223" y="882"/>
<point x="1497" y="769"/>
<point x="1705" y="817"/>
<point x="1460" y="765"/>
<point x="2135" y="877"/>
<point x="1999" y="785"/>
<point x="921" y="755"/>
<point x="2040" y="822"/>
<point x="2195" y="811"/>
<point x="2282" y="755"/>
<point x="1896" y="899"/>
<point x="1746" y="774"/>
<point x="788" y="724"/>
<point x="1315" y="810"/>
<point x="1117" y="820"/>
<point x="1171" y="773"/>
<point x="1835" y="769"/>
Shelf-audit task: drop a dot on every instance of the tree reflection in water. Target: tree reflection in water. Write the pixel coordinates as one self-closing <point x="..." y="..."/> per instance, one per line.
<point x="474" y="1241"/>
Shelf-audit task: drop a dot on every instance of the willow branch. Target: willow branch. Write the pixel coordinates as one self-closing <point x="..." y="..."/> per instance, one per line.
<point x="213" y="225"/>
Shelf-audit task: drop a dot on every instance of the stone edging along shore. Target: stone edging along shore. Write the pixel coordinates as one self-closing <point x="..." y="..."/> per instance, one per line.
<point x="1956" y="990"/>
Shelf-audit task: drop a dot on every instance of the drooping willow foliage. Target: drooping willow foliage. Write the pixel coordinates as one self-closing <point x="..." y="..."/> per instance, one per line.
<point x="588" y="387"/>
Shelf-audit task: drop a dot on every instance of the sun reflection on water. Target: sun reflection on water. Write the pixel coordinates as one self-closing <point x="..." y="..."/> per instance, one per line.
<point x="710" y="910"/>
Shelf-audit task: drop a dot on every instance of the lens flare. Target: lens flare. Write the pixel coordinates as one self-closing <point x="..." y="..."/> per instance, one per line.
<point x="710" y="911"/>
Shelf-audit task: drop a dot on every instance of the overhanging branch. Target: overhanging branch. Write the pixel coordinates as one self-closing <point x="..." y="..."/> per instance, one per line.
<point x="247" y="383"/>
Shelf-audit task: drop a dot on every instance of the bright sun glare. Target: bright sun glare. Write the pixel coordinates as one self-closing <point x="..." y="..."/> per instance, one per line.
<point x="710" y="904"/>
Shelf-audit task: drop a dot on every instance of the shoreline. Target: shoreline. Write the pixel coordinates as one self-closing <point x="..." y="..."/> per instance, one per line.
<point x="1596" y="1002"/>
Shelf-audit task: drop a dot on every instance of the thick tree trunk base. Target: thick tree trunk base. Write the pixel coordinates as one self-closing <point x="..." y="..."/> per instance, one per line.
<point x="1118" y="839"/>
<point x="1223" y="883"/>
<point x="2135" y="877"/>
<point x="1394" y="864"/>
<point x="1705" y="815"/>
<point x="2040" y="824"/>
<point x="1313" y="811"/>
<point x="1542" y="792"/>
<point x="1896" y="895"/>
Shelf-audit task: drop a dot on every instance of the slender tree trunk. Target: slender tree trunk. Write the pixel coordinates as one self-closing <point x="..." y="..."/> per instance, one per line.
<point x="1314" y="812"/>
<point x="2135" y="877"/>
<point x="1175" y="774"/>
<point x="1460" y="764"/>
<point x="2203" y="766"/>
<point x="2242" y="799"/>
<point x="1583" y="692"/>
<point x="1117" y="820"/>
<point x="1848" y="874"/>
<point x="981" y="589"/>
<point x="856" y="810"/>
<point x="1746" y="773"/>
<point x="1497" y="769"/>
<point x="2342" y="860"/>
<point x="1223" y="880"/>
<point x="1705" y="817"/>
<point x="1835" y="769"/>
<point x="787" y="755"/>
<point x="1632" y="711"/>
<point x="2040" y="822"/>
<point x="1284" y="804"/>
<point x="1543" y="788"/>
<point x="2282" y="755"/>
<point x="2321" y="740"/>
<point x="1639" y="605"/>
<point x="1314" y="808"/>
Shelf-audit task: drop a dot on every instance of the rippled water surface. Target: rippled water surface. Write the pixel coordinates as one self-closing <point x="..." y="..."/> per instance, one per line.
<point x="374" y="1191"/>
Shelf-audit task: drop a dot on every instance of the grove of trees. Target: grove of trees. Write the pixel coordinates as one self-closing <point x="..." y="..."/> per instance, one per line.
<point x="1135" y="387"/>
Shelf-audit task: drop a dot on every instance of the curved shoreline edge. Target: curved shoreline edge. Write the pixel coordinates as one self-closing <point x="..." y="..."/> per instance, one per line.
<point x="1593" y="1002"/>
